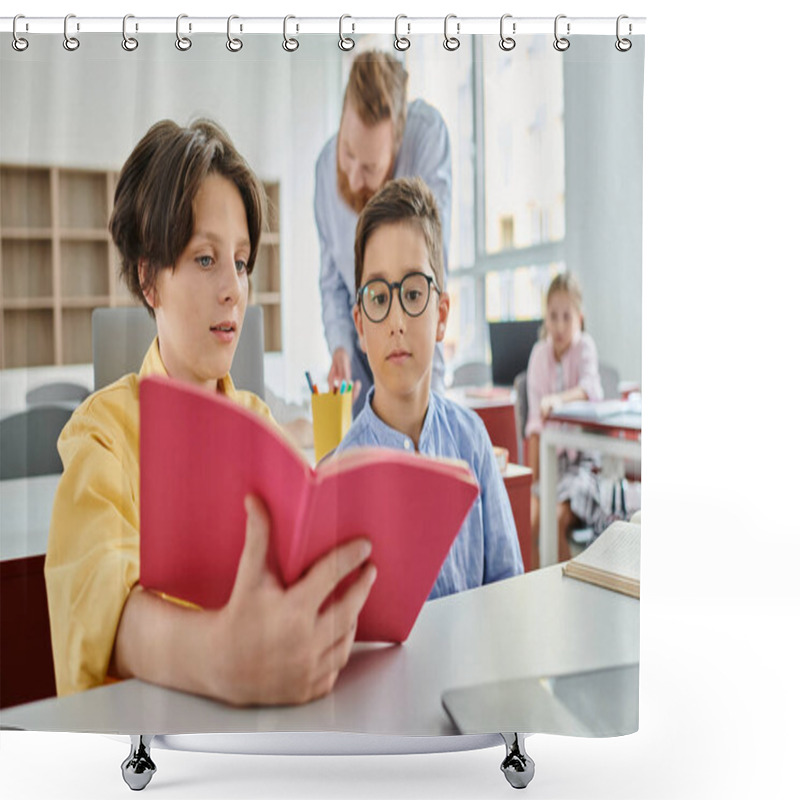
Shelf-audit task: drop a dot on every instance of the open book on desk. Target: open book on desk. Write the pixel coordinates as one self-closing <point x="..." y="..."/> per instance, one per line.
<point x="201" y="454"/>
<point x="612" y="561"/>
<point x="597" y="410"/>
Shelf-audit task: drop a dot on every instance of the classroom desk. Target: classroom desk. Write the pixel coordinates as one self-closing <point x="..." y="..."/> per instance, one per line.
<point x="496" y="406"/>
<point x="618" y="436"/>
<point x="536" y="625"/>
<point x="518" y="481"/>
<point x="27" y="658"/>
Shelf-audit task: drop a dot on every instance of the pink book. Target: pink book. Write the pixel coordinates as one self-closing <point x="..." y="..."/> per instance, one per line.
<point x="201" y="454"/>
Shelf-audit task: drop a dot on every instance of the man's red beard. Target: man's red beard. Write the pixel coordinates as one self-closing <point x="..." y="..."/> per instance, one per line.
<point x="357" y="200"/>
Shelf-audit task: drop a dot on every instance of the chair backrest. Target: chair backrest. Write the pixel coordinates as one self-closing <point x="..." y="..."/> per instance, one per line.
<point x="609" y="380"/>
<point x="121" y="336"/>
<point x="472" y="373"/>
<point x="59" y="392"/>
<point x="28" y="441"/>
<point x="521" y="409"/>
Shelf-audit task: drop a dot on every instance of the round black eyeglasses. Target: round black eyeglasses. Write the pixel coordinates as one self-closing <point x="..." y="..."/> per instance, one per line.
<point x="414" y="292"/>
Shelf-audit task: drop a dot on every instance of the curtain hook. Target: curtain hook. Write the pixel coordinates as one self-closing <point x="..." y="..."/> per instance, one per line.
<point x="345" y="42"/>
<point x="623" y="45"/>
<point x="561" y="43"/>
<point x="183" y="43"/>
<point x="451" y="43"/>
<point x="17" y="42"/>
<point x="289" y="44"/>
<point x="401" y="42"/>
<point x="129" y="43"/>
<point x="70" y="43"/>
<point x="233" y="44"/>
<point x="507" y="42"/>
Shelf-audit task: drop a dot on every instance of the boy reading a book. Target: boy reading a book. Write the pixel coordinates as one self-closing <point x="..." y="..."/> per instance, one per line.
<point x="187" y="220"/>
<point x="400" y="314"/>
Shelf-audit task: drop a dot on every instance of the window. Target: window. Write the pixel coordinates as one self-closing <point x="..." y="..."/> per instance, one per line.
<point x="505" y="116"/>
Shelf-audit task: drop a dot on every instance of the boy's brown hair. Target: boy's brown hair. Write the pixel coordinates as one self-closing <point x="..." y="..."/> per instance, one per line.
<point x="153" y="216"/>
<point x="376" y="89"/>
<point x="407" y="200"/>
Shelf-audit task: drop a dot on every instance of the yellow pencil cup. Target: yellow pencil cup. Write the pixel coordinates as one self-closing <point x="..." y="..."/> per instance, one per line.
<point x="332" y="414"/>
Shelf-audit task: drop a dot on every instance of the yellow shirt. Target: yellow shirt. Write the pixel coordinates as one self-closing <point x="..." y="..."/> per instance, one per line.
<point x="92" y="557"/>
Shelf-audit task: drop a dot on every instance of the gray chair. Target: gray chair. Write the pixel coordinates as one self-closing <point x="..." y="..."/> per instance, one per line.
<point x="472" y="373"/>
<point x="609" y="380"/>
<point x="521" y="411"/>
<point x="121" y="336"/>
<point x="59" y="392"/>
<point x="28" y="441"/>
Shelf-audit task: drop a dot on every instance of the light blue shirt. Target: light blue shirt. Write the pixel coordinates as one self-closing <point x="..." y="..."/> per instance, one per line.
<point x="424" y="152"/>
<point x="486" y="548"/>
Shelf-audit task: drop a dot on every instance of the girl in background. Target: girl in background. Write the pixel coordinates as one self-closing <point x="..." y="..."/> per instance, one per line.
<point x="563" y="368"/>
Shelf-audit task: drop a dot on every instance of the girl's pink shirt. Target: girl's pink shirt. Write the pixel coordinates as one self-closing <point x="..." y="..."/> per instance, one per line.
<point x="580" y="368"/>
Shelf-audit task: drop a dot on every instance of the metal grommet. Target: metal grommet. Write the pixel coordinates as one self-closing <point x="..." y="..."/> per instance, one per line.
<point x="129" y="43"/>
<point x="289" y="44"/>
<point x="345" y="42"/>
<point x="183" y="43"/>
<point x="561" y="43"/>
<point x="401" y="42"/>
<point x="70" y="43"/>
<point x="623" y="45"/>
<point x="233" y="44"/>
<point x="507" y="42"/>
<point x="451" y="43"/>
<point x="17" y="42"/>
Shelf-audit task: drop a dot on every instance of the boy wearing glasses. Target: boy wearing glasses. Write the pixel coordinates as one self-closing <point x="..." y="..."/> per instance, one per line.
<point x="400" y="314"/>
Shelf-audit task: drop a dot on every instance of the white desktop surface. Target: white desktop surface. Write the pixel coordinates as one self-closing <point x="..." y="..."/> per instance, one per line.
<point x="25" y="508"/>
<point x="537" y="624"/>
<point x="471" y="397"/>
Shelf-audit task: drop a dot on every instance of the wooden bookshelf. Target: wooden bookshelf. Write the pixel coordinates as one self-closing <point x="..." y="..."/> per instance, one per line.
<point x="58" y="263"/>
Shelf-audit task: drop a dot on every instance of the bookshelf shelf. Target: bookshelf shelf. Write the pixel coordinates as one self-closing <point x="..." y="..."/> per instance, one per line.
<point x="58" y="263"/>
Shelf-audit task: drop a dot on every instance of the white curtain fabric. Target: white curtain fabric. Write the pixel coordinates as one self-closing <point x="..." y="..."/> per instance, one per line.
<point x="87" y="109"/>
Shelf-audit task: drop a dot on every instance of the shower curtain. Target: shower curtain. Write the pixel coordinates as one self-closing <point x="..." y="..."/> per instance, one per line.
<point x="545" y="171"/>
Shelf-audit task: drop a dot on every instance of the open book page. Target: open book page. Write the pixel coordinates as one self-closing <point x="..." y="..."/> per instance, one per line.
<point x="410" y="506"/>
<point x="201" y="455"/>
<point x="587" y="409"/>
<point x="612" y="561"/>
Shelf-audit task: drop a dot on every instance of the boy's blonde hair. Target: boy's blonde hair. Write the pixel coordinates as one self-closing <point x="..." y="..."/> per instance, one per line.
<point x="377" y="90"/>
<point x="565" y="282"/>
<point x="406" y="200"/>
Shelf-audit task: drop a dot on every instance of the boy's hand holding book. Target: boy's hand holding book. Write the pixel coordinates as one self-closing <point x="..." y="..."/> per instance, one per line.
<point x="273" y="644"/>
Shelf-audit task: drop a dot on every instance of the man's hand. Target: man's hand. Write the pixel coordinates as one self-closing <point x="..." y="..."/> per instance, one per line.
<point x="341" y="371"/>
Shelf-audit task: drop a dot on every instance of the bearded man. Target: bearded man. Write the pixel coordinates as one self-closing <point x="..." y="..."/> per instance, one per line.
<point x="380" y="137"/>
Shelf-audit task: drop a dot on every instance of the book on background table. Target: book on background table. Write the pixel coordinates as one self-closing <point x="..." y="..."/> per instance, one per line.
<point x="201" y="454"/>
<point x="597" y="410"/>
<point x="612" y="560"/>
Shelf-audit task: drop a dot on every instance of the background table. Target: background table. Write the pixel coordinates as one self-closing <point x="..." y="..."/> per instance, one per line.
<point x="27" y="657"/>
<point x="617" y="436"/>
